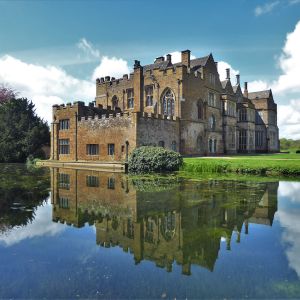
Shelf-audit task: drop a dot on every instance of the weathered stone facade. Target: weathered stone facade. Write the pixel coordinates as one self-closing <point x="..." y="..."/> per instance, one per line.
<point x="181" y="106"/>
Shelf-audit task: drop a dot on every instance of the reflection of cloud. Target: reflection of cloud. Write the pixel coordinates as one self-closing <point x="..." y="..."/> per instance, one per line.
<point x="290" y="221"/>
<point x="290" y="190"/>
<point x="42" y="225"/>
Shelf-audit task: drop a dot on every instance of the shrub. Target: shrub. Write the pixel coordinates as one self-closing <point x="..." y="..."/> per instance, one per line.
<point x="298" y="151"/>
<point x="147" y="159"/>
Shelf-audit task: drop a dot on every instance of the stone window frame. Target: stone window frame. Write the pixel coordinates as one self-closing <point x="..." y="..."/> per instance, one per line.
<point x="63" y="202"/>
<point x="92" y="181"/>
<point x="92" y="149"/>
<point x="64" y="124"/>
<point x="212" y="122"/>
<point x="243" y="114"/>
<point x="259" y="135"/>
<point x="114" y="102"/>
<point x="149" y="91"/>
<point x="110" y="149"/>
<point x="111" y="183"/>
<point x="130" y="98"/>
<point x="212" y="99"/>
<point x="64" y="181"/>
<point x="168" y="102"/>
<point x="174" y="146"/>
<point x="212" y="145"/>
<point x="64" y="146"/>
<point x="200" y="110"/>
<point x="243" y="135"/>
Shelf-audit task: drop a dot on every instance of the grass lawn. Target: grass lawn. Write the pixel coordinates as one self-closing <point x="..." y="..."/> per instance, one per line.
<point x="261" y="164"/>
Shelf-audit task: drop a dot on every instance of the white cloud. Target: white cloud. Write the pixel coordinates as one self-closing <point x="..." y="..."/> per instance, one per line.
<point x="264" y="9"/>
<point x="42" y="225"/>
<point x="289" y="119"/>
<point x="88" y="48"/>
<point x="222" y="66"/>
<point x="289" y="63"/>
<point x="288" y="216"/>
<point x="44" y="85"/>
<point x="114" y="67"/>
<point x="293" y="2"/>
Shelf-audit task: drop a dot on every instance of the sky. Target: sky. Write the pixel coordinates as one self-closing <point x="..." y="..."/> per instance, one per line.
<point x="52" y="51"/>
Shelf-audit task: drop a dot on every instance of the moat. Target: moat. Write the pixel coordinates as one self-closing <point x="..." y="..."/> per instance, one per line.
<point x="67" y="233"/>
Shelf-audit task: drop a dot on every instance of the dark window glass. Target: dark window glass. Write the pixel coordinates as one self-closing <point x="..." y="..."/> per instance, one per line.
<point x="111" y="149"/>
<point x="64" y="181"/>
<point x="111" y="183"/>
<point x="92" y="181"/>
<point x="63" y="202"/>
<point x="161" y="144"/>
<point x="64" y="124"/>
<point x="64" y="146"/>
<point x="92" y="149"/>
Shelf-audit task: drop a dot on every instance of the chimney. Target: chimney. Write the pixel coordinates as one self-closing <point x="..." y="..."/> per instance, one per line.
<point x="246" y="89"/>
<point x="228" y="74"/>
<point x="137" y="64"/>
<point x="159" y="59"/>
<point x="238" y="79"/>
<point x="186" y="57"/>
<point x="169" y="58"/>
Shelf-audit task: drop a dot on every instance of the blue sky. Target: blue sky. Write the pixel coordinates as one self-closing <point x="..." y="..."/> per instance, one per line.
<point x="75" y="36"/>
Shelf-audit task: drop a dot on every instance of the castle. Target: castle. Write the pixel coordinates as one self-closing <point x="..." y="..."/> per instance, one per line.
<point x="180" y="106"/>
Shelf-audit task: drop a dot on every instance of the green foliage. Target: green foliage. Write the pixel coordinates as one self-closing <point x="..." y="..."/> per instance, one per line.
<point x="255" y="165"/>
<point x="289" y="144"/>
<point x="22" y="132"/>
<point x="154" y="159"/>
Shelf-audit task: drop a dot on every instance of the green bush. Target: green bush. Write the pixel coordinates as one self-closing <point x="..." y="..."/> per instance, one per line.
<point x="298" y="151"/>
<point x="147" y="159"/>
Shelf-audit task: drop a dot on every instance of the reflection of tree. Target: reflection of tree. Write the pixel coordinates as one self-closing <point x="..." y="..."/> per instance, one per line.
<point x="21" y="191"/>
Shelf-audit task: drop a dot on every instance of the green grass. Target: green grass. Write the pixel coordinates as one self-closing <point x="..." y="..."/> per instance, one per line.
<point x="264" y="164"/>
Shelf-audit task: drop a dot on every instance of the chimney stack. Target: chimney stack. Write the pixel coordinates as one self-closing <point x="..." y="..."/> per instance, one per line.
<point x="237" y="79"/>
<point x="186" y="57"/>
<point x="169" y="58"/>
<point x="246" y="89"/>
<point x="228" y="74"/>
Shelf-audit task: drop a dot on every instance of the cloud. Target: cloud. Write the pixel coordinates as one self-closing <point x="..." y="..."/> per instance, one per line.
<point x="289" y="63"/>
<point x="288" y="216"/>
<point x="222" y="66"/>
<point x="289" y="119"/>
<point x="44" y="85"/>
<point x="42" y="225"/>
<point x="293" y="2"/>
<point x="114" y="67"/>
<point x="264" y="9"/>
<point x="88" y="48"/>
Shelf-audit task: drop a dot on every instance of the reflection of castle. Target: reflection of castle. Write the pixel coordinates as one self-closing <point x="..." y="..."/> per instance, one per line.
<point x="177" y="221"/>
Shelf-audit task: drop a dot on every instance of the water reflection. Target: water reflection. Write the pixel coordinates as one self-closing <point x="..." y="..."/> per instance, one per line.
<point x="162" y="220"/>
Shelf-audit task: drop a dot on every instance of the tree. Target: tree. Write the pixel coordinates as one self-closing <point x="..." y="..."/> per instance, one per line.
<point x="6" y="94"/>
<point x="22" y="132"/>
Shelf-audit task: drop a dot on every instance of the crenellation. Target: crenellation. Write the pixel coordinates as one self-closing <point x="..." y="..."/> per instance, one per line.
<point x="182" y="106"/>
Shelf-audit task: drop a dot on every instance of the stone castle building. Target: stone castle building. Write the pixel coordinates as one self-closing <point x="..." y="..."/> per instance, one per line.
<point x="180" y="106"/>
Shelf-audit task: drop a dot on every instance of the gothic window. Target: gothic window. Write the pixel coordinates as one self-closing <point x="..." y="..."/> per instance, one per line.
<point x="149" y="96"/>
<point x="115" y="102"/>
<point x="212" y="122"/>
<point x="200" y="109"/>
<point x="212" y="145"/>
<point x="211" y="99"/>
<point x="168" y="103"/>
<point x="130" y="98"/>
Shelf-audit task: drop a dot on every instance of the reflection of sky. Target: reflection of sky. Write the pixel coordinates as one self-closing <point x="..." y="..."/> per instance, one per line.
<point x="42" y="225"/>
<point x="288" y="215"/>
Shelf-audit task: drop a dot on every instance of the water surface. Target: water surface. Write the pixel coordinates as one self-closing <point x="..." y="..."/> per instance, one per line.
<point x="68" y="233"/>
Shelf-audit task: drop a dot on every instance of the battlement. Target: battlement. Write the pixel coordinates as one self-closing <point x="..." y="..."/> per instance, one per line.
<point x="156" y="116"/>
<point x="112" y="81"/>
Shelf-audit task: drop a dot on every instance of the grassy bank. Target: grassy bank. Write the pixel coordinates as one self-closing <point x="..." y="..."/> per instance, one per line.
<point x="268" y="164"/>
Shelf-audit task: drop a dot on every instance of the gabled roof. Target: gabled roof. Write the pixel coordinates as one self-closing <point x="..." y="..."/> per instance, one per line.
<point x="194" y="63"/>
<point x="227" y="87"/>
<point x="260" y="95"/>
<point x="224" y="83"/>
<point x="235" y="88"/>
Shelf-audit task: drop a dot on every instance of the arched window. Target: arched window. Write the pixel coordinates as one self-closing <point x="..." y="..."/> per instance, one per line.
<point x="212" y="122"/>
<point x="200" y="110"/>
<point x="168" y="226"/>
<point x="168" y="103"/>
<point x="115" y="102"/>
